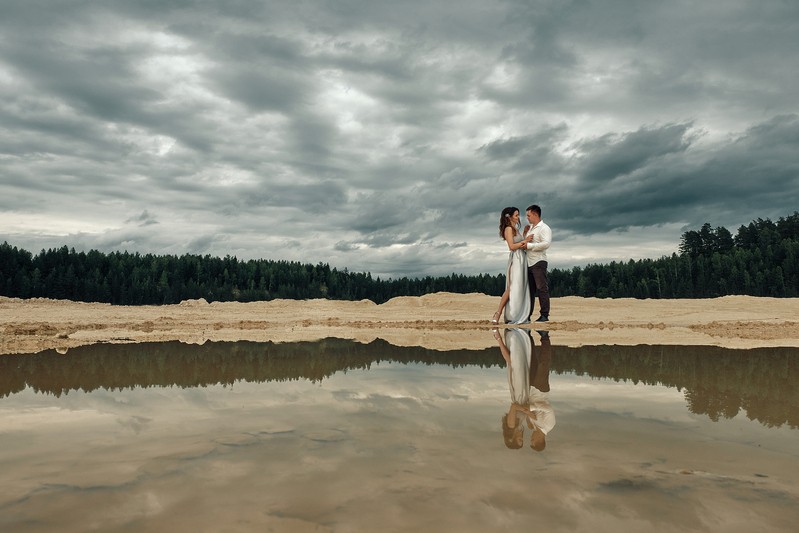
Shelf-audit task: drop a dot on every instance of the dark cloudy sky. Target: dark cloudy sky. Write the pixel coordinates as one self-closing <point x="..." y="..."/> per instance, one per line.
<point x="387" y="136"/>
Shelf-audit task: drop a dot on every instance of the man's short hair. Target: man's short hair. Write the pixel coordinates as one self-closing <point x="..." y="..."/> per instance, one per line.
<point x="535" y="209"/>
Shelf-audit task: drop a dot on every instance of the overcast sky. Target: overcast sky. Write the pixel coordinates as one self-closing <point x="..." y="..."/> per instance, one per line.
<point x="388" y="136"/>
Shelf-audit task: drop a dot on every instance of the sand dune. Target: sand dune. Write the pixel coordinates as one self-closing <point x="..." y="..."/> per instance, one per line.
<point x="437" y="321"/>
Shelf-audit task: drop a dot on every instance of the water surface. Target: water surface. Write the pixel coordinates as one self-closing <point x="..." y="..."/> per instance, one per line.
<point x="343" y="436"/>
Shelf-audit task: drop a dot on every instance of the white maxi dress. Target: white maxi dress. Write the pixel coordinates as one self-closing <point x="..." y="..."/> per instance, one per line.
<point x="517" y="310"/>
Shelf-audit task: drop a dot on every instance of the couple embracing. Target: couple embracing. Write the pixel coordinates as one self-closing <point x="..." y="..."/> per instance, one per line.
<point x="526" y="274"/>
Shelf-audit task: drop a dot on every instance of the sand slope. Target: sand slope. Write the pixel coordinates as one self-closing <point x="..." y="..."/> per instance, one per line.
<point x="438" y="321"/>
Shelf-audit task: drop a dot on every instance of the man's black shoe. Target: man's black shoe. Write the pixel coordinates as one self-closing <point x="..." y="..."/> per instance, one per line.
<point x="543" y="318"/>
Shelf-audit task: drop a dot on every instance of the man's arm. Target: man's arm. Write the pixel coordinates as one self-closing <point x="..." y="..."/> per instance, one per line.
<point x="546" y="240"/>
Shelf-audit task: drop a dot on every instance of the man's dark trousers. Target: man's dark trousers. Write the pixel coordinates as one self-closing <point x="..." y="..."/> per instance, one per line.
<point x="537" y="278"/>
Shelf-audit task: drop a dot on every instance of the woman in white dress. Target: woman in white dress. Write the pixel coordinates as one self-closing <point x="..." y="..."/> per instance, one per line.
<point x="516" y="349"/>
<point x="515" y="301"/>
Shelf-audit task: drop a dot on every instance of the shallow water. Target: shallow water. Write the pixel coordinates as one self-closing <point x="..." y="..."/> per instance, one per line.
<point x="342" y="436"/>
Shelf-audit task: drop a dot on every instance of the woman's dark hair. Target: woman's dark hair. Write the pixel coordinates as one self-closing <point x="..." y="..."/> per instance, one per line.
<point x="504" y="220"/>
<point x="509" y="434"/>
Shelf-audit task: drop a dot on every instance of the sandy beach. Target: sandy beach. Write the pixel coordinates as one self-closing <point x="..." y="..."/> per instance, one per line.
<point x="440" y="321"/>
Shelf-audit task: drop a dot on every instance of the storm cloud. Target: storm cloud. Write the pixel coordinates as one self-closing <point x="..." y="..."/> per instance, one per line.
<point x="387" y="136"/>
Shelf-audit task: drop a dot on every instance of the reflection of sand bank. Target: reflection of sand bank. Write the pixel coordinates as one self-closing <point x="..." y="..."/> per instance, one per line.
<point x="438" y="321"/>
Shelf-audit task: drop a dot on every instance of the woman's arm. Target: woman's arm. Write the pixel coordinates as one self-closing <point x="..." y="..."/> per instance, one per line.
<point x="517" y="407"/>
<point x="509" y="240"/>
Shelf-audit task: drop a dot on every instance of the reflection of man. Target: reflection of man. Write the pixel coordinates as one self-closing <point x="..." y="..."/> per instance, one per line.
<point x="541" y="416"/>
<point x="537" y="260"/>
<point x="539" y="363"/>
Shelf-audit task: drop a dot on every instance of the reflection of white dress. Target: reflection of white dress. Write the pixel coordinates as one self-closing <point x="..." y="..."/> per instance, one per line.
<point x="517" y="310"/>
<point x="520" y="348"/>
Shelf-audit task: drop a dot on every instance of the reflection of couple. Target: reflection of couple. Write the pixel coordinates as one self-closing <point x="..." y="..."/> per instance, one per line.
<point x="528" y="380"/>
<point x="526" y="274"/>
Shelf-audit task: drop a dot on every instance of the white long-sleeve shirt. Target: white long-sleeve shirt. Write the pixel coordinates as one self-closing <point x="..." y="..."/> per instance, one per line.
<point x="544" y="414"/>
<point x="542" y="238"/>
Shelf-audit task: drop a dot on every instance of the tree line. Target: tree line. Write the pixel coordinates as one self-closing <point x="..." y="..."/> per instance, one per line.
<point x="145" y="279"/>
<point x="762" y="259"/>
<point x="716" y="382"/>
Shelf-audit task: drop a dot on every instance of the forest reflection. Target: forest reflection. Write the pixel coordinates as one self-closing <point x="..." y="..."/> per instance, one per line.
<point x="716" y="382"/>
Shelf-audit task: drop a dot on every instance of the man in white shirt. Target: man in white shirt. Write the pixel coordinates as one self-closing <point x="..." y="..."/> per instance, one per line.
<point x="537" y="261"/>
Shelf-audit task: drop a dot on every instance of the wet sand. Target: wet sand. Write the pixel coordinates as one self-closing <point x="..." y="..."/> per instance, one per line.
<point x="439" y="321"/>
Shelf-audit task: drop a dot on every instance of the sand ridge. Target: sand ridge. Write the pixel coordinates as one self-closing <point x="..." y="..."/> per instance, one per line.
<point x="440" y="321"/>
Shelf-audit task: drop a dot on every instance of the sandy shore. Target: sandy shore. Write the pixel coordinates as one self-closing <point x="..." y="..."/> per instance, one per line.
<point x="440" y="321"/>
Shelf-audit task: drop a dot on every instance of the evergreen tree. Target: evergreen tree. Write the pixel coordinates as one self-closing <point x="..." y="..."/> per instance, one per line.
<point x="762" y="259"/>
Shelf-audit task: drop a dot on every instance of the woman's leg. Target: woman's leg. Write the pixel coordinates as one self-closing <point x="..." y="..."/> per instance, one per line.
<point x="502" y="303"/>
